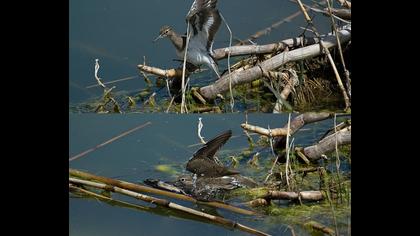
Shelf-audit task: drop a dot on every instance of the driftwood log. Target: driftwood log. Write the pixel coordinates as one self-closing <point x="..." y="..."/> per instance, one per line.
<point x="295" y="124"/>
<point x="240" y="77"/>
<point x="298" y="122"/>
<point x="327" y="144"/>
<point x="303" y="195"/>
<point x="311" y="153"/>
<point x="282" y="195"/>
<point x="243" y="50"/>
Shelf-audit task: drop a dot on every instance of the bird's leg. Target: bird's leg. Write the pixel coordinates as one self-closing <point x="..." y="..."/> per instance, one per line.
<point x="216" y="69"/>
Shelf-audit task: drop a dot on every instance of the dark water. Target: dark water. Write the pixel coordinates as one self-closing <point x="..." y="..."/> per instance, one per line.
<point x="120" y="33"/>
<point x="167" y="141"/>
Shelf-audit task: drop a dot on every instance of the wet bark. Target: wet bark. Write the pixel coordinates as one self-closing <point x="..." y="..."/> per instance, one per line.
<point x="304" y="195"/>
<point x="327" y="144"/>
<point x="243" y="50"/>
<point x="298" y="122"/>
<point x="245" y="76"/>
<point x="342" y="13"/>
<point x="282" y="195"/>
<point x="320" y="227"/>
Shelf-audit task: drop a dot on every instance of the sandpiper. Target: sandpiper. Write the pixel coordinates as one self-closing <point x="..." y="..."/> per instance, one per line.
<point x="208" y="188"/>
<point x="204" y="163"/>
<point x="210" y="177"/>
<point x="205" y="21"/>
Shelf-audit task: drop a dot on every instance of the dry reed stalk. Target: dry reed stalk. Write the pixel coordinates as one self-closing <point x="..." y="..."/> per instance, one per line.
<point x="287" y="151"/>
<point x="346" y="72"/>
<point x="109" y="141"/>
<point x="168" y="204"/>
<point x="340" y="83"/>
<point x="183" y="70"/>
<point x="145" y="189"/>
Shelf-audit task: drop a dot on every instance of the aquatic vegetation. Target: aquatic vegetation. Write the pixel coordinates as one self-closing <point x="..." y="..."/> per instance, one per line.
<point x="168" y="169"/>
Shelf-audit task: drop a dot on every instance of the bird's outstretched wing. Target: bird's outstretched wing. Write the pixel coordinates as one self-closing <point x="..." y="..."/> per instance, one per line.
<point x="212" y="146"/>
<point x="199" y="5"/>
<point x="205" y="21"/>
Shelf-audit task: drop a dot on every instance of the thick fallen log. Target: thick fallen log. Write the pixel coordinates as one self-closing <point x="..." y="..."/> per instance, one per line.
<point x="327" y="144"/>
<point x="316" y="151"/>
<point x="240" y="77"/>
<point x="242" y="50"/>
<point x="298" y="122"/>
<point x="295" y="124"/>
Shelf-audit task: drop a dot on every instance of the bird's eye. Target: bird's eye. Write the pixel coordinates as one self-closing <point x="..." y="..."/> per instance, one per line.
<point x="182" y="179"/>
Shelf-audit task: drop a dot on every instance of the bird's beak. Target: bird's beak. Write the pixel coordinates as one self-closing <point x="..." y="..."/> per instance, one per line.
<point x="158" y="37"/>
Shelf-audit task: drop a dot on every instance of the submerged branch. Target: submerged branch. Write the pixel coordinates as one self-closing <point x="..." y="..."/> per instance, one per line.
<point x="168" y="204"/>
<point x="145" y="189"/>
<point x="107" y="199"/>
